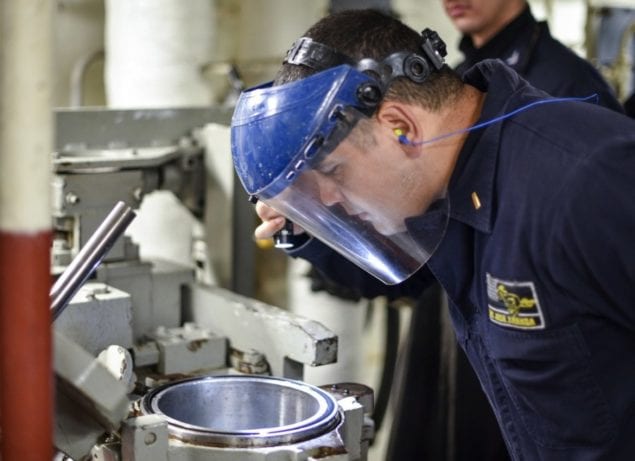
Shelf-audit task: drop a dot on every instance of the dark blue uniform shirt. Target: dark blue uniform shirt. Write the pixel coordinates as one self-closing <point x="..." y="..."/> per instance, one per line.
<point x="526" y="45"/>
<point x="541" y="277"/>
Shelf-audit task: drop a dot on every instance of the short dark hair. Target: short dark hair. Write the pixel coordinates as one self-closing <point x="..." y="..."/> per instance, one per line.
<point x="372" y="34"/>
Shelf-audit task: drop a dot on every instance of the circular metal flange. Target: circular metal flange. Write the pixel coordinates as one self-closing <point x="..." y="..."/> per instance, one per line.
<point x="243" y="410"/>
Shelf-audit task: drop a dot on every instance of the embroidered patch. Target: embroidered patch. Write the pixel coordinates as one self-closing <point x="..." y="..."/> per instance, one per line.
<point x="514" y="304"/>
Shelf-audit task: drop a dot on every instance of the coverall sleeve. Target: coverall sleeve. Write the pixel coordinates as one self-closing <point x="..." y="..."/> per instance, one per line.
<point x="598" y="230"/>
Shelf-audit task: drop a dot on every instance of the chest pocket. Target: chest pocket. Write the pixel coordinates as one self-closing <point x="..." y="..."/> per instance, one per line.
<point x="547" y="377"/>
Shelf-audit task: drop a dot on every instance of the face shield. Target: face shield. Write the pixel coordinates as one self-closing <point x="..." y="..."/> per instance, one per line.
<point x="309" y="150"/>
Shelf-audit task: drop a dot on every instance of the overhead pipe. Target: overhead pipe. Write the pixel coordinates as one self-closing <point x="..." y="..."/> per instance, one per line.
<point x="26" y="389"/>
<point x="78" y="74"/>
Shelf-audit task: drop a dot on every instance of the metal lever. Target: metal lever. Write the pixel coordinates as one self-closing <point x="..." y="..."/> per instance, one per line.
<point x="89" y="257"/>
<point x="284" y="237"/>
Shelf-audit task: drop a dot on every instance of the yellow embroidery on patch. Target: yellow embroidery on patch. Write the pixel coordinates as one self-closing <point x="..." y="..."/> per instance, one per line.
<point x="514" y="304"/>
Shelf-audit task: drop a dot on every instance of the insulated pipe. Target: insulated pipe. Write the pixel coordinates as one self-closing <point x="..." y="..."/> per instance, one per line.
<point x="155" y="50"/>
<point x="89" y="257"/>
<point x="26" y="391"/>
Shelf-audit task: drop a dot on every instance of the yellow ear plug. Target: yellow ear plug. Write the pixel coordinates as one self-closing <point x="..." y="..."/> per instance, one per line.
<point x="401" y="135"/>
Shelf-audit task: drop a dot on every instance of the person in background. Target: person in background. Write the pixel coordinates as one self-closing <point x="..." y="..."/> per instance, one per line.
<point x="507" y="30"/>
<point x="363" y="141"/>
<point x="492" y="29"/>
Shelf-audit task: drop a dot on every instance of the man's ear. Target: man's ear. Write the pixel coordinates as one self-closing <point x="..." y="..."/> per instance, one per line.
<point x="401" y="120"/>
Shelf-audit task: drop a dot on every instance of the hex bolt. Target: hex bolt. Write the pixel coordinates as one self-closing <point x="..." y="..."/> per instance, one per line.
<point x="71" y="198"/>
<point x="150" y="438"/>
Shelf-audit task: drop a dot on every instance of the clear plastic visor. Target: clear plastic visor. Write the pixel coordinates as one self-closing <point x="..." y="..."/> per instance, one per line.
<point x="364" y="197"/>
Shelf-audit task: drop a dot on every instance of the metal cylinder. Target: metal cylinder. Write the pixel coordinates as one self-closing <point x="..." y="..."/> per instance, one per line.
<point x="243" y="411"/>
<point x="89" y="257"/>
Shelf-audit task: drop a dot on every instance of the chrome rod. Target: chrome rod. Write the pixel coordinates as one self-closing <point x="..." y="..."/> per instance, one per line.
<point x="89" y="257"/>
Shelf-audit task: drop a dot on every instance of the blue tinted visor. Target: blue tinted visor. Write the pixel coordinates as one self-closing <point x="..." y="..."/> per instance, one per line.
<point x="285" y="142"/>
<point x="276" y="131"/>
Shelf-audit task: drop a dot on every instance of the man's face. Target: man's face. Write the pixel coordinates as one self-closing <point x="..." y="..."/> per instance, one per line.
<point x="376" y="183"/>
<point x="476" y="16"/>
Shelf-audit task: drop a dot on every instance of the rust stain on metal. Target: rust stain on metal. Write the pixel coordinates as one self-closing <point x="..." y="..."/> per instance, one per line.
<point x="195" y="345"/>
<point x="325" y="452"/>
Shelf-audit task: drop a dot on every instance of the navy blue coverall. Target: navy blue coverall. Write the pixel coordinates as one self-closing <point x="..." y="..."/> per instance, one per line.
<point x="541" y="277"/>
<point x="526" y="45"/>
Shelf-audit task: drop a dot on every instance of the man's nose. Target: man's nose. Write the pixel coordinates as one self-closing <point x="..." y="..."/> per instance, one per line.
<point x="329" y="192"/>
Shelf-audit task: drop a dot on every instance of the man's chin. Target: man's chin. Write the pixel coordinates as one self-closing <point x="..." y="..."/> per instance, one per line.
<point x="465" y="25"/>
<point x="387" y="229"/>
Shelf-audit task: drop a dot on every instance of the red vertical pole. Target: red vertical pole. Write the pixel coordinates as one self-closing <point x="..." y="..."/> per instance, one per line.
<point x="26" y="386"/>
<point x="25" y="342"/>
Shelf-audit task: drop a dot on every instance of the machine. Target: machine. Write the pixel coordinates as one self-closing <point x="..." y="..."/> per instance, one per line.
<point x="154" y="362"/>
<point x="610" y="38"/>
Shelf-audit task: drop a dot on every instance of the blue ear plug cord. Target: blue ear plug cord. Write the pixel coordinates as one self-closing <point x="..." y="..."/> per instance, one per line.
<point x="404" y="140"/>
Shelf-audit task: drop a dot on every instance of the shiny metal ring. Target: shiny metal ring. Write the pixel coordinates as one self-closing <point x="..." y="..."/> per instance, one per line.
<point x="243" y="410"/>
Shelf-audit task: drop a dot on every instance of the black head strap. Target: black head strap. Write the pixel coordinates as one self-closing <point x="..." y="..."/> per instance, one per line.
<point x="417" y="67"/>
<point x="315" y="55"/>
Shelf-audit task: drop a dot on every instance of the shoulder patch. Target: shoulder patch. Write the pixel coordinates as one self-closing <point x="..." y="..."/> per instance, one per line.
<point x="514" y="304"/>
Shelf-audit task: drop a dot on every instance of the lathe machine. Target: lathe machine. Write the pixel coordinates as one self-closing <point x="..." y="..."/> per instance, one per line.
<point x="154" y="360"/>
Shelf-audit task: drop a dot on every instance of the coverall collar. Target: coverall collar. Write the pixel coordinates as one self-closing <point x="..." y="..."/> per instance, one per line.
<point x="471" y="186"/>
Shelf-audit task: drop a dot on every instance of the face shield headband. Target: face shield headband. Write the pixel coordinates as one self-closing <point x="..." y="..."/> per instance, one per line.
<point x="283" y="136"/>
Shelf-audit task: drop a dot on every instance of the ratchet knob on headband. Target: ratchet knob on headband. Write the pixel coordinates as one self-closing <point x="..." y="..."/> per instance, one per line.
<point x="369" y="94"/>
<point x="434" y="47"/>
